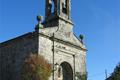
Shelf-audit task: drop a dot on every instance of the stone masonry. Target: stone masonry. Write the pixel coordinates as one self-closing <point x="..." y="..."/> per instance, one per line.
<point x="55" y="41"/>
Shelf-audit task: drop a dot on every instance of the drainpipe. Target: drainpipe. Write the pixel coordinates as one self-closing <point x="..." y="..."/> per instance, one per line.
<point x="74" y="67"/>
<point x="53" y="54"/>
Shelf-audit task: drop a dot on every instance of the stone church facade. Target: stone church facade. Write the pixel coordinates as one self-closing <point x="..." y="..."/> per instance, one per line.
<point x="55" y="41"/>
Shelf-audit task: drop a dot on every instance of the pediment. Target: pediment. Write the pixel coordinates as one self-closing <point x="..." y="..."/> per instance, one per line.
<point x="64" y="36"/>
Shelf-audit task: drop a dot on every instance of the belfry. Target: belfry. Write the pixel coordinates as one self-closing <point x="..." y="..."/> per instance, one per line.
<point x="55" y="40"/>
<point x="57" y="11"/>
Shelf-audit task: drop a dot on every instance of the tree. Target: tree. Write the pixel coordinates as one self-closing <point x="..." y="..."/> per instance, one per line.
<point x="116" y="74"/>
<point x="35" y="67"/>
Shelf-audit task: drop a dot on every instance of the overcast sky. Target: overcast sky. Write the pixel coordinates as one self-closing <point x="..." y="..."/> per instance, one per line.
<point x="98" y="20"/>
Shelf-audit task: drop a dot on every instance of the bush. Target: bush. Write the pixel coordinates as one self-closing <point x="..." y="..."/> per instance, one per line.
<point x="81" y="77"/>
<point x="35" y="67"/>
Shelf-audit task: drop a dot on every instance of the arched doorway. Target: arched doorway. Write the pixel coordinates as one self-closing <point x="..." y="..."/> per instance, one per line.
<point x="67" y="71"/>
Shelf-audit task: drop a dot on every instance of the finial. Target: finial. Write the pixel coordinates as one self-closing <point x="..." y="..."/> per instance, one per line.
<point x="39" y="19"/>
<point x="39" y="25"/>
<point x="81" y="38"/>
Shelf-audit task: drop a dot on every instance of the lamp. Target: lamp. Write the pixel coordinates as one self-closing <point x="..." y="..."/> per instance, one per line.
<point x="56" y="66"/>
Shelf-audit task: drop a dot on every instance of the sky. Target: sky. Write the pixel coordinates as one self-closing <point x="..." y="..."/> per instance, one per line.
<point x="97" y="20"/>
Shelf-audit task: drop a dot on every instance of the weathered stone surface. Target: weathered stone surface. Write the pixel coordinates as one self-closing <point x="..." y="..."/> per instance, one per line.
<point x="12" y="54"/>
<point x="69" y="52"/>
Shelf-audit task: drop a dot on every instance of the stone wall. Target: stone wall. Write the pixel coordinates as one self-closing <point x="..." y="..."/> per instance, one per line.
<point x="63" y="52"/>
<point x="12" y="54"/>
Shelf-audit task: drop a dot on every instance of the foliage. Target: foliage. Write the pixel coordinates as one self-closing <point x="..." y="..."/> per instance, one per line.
<point x="35" y="67"/>
<point x="116" y="74"/>
<point x="81" y="77"/>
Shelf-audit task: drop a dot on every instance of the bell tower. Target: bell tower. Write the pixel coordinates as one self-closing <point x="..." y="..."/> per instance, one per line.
<point x="56" y="10"/>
